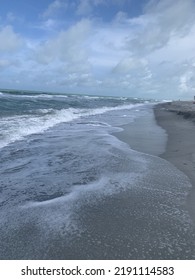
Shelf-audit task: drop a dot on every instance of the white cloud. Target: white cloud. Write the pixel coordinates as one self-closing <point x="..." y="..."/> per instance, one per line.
<point x="60" y="61"/>
<point x="66" y="46"/>
<point x="10" y="41"/>
<point x="157" y="45"/>
<point x="48" y="25"/>
<point x="187" y="78"/>
<point x="86" y="7"/>
<point x="173" y="15"/>
<point x="54" y="7"/>
<point x="150" y="55"/>
<point x="183" y="83"/>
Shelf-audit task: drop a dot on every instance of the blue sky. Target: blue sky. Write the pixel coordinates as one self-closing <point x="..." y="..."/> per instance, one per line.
<point x="142" y="48"/>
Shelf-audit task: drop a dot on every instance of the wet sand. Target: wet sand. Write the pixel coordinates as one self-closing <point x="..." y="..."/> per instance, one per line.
<point x="177" y="118"/>
<point x="144" y="135"/>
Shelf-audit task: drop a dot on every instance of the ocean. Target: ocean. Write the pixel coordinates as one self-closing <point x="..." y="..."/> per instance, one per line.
<point x="71" y="189"/>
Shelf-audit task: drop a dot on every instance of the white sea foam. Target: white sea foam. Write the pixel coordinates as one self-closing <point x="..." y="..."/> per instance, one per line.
<point x="61" y="95"/>
<point x="45" y="111"/>
<point x="104" y="97"/>
<point x="91" y="97"/>
<point x="102" y="124"/>
<point x="17" y="127"/>
<point x="33" y="96"/>
<point x="167" y="100"/>
<point x="37" y="96"/>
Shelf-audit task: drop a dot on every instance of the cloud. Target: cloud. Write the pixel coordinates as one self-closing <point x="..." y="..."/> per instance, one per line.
<point x="61" y="60"/>
<point x="85" y="7"/>
<point x="127" y="65"/>
<point x="89" y="7"/>
<point x="187" y="78"/>
<point x="47" y="25"/>
<point x="10" y="41"/>
<point x="6" y="62"/>
<point x="121" y="17"/>
<point x="149" y="55"/>
<point x="66" y="46"/>
<point x="173" y="15"/>
<point x="162" y="21"/>
<point x="54" y="7"/>
<point x="154" y="50"/>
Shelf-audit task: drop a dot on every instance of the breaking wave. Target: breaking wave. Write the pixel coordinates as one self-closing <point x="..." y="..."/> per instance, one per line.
<point x="17" y="127"/>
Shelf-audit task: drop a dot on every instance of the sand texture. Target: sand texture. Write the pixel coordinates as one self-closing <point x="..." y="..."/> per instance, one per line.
<point x="177" y="118"/>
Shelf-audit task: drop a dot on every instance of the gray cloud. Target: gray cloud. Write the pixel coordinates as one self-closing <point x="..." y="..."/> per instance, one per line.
<point x="163" y="21"/>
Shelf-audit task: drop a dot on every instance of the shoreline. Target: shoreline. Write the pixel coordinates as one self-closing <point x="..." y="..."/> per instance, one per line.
<point x="172" y="139"/>
<point x="144" y="135"/>
<point x="176" y="118"/>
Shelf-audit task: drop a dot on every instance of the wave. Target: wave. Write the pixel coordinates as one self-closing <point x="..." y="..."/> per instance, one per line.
<point x="167" y="100"/>
<point x="91" y="97"/>
<point x="106" y="97"/>
<point x="17" y="127"/>
<point x="95" y="123"/>
<point x="36" y="96"/>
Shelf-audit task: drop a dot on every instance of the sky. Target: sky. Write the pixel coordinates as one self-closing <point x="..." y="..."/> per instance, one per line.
<point x="132" y="48"/>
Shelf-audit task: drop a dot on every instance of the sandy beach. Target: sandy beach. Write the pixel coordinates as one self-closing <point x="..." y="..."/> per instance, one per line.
<point x="178" y="147"/>
<point x="77" y="192"/>
<point x="177" y="118"/>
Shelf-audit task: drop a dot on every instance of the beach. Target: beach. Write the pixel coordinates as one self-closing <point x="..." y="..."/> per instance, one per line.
<point x="86" y="177"/>
<point x="177" y="118"/>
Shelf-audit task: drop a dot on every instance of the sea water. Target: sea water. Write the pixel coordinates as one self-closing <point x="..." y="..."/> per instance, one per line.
<point x="70" y="189"/>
